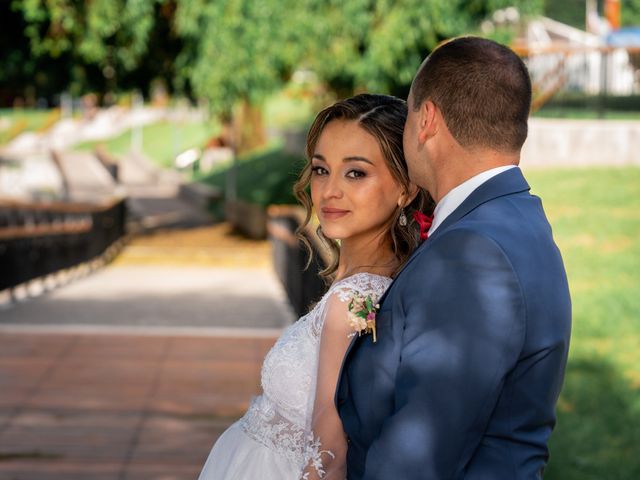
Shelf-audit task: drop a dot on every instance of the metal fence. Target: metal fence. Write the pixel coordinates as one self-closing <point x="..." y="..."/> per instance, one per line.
<point x="39" y="239"/>
<point x="592" y="78"/>
<point x="303" y="286"/>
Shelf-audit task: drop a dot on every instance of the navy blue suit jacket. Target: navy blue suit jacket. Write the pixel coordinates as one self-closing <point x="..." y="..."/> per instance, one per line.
<point x="473" y="336"/>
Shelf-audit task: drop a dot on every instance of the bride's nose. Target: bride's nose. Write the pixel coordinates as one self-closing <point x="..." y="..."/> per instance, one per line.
<point x="332" y="187"/>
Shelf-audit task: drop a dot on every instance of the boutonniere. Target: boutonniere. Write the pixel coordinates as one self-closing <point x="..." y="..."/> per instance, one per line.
<point x="362" y="315"/>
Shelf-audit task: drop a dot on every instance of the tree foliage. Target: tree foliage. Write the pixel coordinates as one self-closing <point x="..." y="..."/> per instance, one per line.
<point x="571" y="12"/>
<point x="630" y="13"/>
<point x="242" y="50"/>
<point x="103" y="44"/>
<point x="102" y="32"/>
<point x="239" y="49"/>
<point x="378" y="45"/>
<point x="247" y="48"/>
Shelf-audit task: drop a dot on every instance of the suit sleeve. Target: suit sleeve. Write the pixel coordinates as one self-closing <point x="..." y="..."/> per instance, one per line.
<point x="464" y="323"/>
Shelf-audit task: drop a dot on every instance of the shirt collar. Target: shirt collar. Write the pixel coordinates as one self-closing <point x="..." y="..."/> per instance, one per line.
<point x="454" y="198"/>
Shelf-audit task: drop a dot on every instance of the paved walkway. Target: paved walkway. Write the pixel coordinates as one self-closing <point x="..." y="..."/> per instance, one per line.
<point x="95" y="407"/>
<point x="132" y="371"/>
<point x="153" y="195"/>
<point x="121" y="297"/>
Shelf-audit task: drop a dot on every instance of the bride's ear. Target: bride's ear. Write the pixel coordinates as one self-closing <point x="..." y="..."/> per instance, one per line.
<point x="408" y="196"/>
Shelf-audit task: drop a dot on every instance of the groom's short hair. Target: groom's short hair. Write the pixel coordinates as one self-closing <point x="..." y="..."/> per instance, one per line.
<point x="483" y="90"/>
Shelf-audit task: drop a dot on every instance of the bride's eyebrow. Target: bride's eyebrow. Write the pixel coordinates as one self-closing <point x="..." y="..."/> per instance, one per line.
<point x="357" y="159"/>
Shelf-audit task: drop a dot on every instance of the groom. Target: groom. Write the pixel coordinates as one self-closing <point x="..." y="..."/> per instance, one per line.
<point x="473" y="333"/>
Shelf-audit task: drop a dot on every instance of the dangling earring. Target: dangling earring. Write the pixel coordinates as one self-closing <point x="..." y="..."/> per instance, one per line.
<point x="402" y="220"/>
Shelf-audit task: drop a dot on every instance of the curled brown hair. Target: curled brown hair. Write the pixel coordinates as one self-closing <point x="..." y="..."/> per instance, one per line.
<point x="383" y="117"/>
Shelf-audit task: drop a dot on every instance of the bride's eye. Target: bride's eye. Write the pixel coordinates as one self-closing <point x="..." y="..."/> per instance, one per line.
<point x="356" y="174"/>
<point x="319" y="170"/>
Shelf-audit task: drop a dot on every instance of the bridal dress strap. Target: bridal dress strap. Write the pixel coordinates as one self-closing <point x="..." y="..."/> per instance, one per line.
<point x="326" y="448"/>
<point x="360" y="283"/>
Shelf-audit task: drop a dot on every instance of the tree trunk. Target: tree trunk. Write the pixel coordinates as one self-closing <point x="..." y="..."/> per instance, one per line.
<point x="249" y="128"/>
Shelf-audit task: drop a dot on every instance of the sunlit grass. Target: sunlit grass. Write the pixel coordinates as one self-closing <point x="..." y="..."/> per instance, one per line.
<point x="595" y="214"/>
<point x="161" y="141"/>
<point x="211" y="246"/>
<point x="264" y="177"/>
<point x="284" y="110"/>
<point x="14" y="121"/>
<point x="585" y="113"/>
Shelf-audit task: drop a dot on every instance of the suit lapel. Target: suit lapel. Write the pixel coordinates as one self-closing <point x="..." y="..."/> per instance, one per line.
<point x="505" y="183"/>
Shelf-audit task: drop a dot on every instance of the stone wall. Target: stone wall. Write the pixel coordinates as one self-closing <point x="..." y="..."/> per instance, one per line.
<point x="566" y="143"/>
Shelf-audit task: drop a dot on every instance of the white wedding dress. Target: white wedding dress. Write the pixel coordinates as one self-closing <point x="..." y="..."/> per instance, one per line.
<point x="273" y="440"/>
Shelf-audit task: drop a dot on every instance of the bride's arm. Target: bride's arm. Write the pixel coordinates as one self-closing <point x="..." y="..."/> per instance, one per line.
<point x="328" y="447"/>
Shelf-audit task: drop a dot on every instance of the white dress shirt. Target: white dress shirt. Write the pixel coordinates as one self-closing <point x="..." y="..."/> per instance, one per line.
<point x="459" y="194"/>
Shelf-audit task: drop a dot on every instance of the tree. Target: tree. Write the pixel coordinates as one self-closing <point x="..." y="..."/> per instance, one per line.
<point x="102" y="44"/>
<point x="24" y="76"/>
<point x="571" y="12"/>
<point x="243" y="50"/>
<point x="378" y="45"/>
<point x="240" y="51"/>
<point x="630" y="13"/>
<point x="237" y="52"/>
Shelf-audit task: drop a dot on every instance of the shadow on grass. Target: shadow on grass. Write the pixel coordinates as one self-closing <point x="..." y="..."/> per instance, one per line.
<point x="598" y="430"/>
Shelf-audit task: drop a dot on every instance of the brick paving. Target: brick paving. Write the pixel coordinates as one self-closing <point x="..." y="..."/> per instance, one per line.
<point x="102" y="406"/>
<point x="132" y="371"/>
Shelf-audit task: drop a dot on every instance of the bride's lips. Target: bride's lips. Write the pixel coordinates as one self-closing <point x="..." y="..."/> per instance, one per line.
<point x="333" y="213"/>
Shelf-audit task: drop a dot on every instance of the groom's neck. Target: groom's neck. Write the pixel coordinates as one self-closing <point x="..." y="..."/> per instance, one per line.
<point x="462" y="164"/>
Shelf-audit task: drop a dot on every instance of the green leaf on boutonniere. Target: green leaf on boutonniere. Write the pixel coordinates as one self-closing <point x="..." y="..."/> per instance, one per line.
<point x="369" y="303"/>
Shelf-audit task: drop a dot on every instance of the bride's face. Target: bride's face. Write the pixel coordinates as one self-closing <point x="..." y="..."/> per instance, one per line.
<point x="353" y="192"/>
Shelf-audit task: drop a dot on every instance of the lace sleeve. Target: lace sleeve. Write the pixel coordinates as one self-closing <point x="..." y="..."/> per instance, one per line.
<point x="326" y="450"/>
<point x="327" y="446"/>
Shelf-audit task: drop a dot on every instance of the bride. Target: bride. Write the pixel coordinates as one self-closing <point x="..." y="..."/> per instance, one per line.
<point x="361" y="193"/>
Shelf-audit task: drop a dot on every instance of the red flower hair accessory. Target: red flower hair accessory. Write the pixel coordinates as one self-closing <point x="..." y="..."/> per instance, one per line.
<point x="425" y="222"/>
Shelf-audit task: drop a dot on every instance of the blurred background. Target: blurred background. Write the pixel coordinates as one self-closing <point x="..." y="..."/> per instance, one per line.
<point x="148" y="150"/>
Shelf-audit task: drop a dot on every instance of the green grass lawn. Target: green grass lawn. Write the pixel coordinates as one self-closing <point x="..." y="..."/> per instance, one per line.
<point x="580" y="106"/>
<point x="264" y="177"/>
<point x="161" y="141"/>
<point x="283" y="111"/>
<point x="575" y="113"/>
<point x="595" y="214"/>
<point x="14" y="121"/>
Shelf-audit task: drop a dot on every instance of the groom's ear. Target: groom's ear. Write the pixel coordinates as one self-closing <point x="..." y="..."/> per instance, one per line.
<point x="428" y="126"/>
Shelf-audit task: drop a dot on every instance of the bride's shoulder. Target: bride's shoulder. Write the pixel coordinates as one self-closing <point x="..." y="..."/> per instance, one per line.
<point x="363" y="284"/>
<point x="336" y="319"/>
<point x="333" y="309"/>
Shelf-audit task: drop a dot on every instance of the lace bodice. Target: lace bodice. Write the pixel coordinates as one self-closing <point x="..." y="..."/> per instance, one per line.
<point x="280" y="418"/>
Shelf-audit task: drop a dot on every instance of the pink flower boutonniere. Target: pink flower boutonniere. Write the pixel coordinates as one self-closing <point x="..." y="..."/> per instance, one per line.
<point x="362" y="315"/>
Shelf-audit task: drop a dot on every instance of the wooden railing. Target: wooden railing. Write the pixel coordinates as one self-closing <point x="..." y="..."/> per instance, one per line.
<point x="556" y="68"/>
<point x="38" y="239"/>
